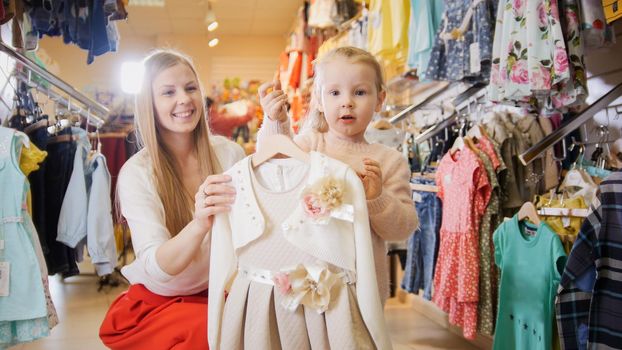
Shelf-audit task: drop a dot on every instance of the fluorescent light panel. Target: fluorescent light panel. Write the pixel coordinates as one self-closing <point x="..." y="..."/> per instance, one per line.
<point x="151" y="3"/>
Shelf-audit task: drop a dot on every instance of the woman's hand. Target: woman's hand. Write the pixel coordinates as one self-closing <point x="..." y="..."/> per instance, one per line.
<point x="214" y="196"/>
<point x="273" y="103"/>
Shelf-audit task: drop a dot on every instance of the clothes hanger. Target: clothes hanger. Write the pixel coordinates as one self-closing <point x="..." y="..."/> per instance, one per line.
<point x="278" y="144"/>
<point x="528" y="211"/>
<point x="549" y="210"/>
<point x="382" y="124"/>
<point x="424" y="187"/>
<point x="459" y="143"/>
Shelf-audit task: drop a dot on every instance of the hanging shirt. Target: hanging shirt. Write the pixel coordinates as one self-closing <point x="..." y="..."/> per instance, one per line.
<point x="531" y="259"/>
<point x="29" y="161"/>
<point x="597" y="247"/>
<point x="425" y="18"/>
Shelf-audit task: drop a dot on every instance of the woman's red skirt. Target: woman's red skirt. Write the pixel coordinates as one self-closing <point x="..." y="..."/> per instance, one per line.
<point x="140" y="319"/>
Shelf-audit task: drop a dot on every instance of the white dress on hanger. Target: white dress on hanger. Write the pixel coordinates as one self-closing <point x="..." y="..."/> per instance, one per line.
<point x="296" y="279"/>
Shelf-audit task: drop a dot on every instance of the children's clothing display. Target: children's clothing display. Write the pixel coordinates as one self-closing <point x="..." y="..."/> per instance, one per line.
<point x="297" y="264"/>
<point x="526" y="253"/>
<point x="23" y="305"/>
<point x="465" y="191"/>
<point x="425" y="19"/>
<point x="588" y="302"/>
<point x="422" y="245"/>
<point x="463" y="46"/>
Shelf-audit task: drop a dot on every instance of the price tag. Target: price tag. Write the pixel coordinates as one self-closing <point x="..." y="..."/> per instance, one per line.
<point x="4" y="278"/>
<point x="475" y="58"/>
<point x="417" y="197"/>
<point x="566" y="221"/>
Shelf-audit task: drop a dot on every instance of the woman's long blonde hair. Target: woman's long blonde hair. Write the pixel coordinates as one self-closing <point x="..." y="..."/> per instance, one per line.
<point x="315" y="119"/>
<point x="177" y="202"/>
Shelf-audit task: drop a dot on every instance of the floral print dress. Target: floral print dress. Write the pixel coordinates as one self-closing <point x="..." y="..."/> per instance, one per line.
<point x="465" y="191"/>
<point x="530" y="56"/>
<point x="450" y="58"/>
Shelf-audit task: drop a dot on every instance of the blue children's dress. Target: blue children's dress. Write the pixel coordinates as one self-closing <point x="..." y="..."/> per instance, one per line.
<point x="23" y="312"/>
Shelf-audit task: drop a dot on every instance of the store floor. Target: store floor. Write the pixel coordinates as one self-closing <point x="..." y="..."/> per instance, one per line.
<point x="81" y="309"/>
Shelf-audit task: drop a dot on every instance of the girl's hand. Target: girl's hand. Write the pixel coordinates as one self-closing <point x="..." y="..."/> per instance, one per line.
<point x="214" y="196"/>
<point x="372" y="179"/>
<point x="273" y="103"/>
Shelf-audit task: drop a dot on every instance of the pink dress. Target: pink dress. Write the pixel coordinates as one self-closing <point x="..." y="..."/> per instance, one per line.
<point x="465" y="190"/>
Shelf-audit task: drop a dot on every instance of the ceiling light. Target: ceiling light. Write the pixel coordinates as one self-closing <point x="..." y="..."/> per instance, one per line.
<point x="210" y="18"/>
<point x="213" y="42"/>
<point x="212" y="26"/>
<point x="153" y="3"/>
<point x="131" y="77"/>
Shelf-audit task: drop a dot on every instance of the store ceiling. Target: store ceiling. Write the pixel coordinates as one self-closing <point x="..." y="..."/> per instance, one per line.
<point x="235" y="17"/>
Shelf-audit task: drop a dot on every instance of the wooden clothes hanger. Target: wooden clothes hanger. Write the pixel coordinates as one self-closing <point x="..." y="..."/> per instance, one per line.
<point x="382" y="124"/>
<point x="275" y="145"/>
<point x="423" y="188"/>
<point x="528" y="211"/>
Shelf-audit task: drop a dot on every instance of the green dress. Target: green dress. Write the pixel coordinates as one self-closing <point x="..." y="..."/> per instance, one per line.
<point x="531" y="260"/>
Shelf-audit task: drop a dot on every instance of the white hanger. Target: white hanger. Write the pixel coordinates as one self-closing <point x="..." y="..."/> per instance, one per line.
<point x="528" y="211"/>
<point x="275" y="145"/>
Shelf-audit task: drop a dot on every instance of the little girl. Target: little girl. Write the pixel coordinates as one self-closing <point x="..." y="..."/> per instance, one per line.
<point x="348" y="89"/>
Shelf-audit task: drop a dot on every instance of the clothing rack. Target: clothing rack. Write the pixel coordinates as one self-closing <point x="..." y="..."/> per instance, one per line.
<point x="86" y="114"/>
<point x="415" y="106"/>
<point x="459" y="102"/>
<point x="575" y="122"/>
<point x="92" y="107"/>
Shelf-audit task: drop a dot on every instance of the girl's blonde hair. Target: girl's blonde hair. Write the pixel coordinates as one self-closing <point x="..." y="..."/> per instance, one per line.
<point x="177" y="202"/>
<point x="315" y="119"/>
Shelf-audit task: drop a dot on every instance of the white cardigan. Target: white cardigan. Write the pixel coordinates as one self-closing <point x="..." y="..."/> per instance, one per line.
<point x="341" y="242"/>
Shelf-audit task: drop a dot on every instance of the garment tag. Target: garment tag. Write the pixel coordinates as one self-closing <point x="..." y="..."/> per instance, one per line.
<point x="530" y="232"/>
<point x="417" y="197"/>
<point x="4" y="278"/>
<point x="566" y="221"/>
<point x="475" y="58"/>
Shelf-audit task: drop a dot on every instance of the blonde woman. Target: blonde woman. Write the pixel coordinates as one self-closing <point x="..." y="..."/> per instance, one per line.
<point x="169" y="193"/>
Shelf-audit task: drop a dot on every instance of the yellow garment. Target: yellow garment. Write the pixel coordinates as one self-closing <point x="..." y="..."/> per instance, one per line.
<point x="118" y="236"/>
<point x="613" y="10"/>
<point x="566" y="228"/>
<point x="28" y="162"/>
<point x="387" y="34"/>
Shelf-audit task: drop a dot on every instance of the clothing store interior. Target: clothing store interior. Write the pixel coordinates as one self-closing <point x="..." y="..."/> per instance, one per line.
<point x="469" y="197"/>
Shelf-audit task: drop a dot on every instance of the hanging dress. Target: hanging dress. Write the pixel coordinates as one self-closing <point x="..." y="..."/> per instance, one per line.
<point x="529" y="57"/>
<point x="465" y="23"/>
<point x="23" y="308"/>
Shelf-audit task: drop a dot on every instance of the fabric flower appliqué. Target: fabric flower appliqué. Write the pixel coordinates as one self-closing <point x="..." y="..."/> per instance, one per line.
<point x="324" y="199"/>
<point x="307" y="285"/>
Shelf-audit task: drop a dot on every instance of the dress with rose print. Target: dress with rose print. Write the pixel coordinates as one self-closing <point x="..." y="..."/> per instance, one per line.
<point x="297" y="261"/>
<point x="538" y="56"/>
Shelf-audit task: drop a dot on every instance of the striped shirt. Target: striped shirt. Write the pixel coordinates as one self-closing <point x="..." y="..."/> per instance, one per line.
<point x="589" y="300"/>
